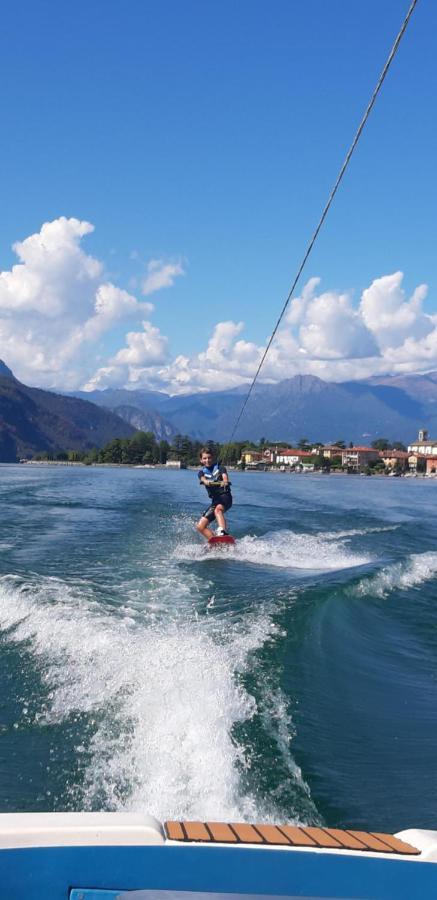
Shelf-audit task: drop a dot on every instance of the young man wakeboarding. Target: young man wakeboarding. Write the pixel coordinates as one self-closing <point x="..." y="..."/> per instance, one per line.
<point x="215" y="478"/>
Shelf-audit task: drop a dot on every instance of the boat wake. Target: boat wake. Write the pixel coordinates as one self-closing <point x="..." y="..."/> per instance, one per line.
<point x="411" y="573"/>
<point x="284" y="549"/>
<point x="160" y="697"/>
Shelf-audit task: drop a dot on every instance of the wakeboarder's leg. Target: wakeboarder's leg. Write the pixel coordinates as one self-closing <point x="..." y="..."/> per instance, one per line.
<point x="220" y="517"/>
<point x="202" y="528"/>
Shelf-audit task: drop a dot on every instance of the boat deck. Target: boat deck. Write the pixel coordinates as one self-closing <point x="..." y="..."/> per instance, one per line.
<point x="288" y="836"/>
<point x="104" y="856"/>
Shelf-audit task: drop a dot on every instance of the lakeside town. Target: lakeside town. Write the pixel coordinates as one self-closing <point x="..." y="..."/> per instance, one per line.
<point x="144" y="451"/>
<point x="419" y="458"/>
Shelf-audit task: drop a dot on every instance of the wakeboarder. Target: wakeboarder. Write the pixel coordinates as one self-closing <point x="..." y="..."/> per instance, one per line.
<point x="215" y="478"/>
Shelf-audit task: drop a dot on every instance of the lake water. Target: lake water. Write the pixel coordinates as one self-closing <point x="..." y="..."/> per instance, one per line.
<point x="291" y="678"/>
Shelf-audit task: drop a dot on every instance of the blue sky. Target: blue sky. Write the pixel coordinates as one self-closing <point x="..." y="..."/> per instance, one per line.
<point x="207" y="137"/>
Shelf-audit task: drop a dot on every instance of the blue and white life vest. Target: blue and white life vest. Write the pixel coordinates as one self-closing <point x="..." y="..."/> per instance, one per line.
<point x="212" y="473"/>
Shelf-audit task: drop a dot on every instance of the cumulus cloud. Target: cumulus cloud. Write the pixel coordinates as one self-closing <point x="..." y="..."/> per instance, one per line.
<point x="56" y="306"/>
<point x="65" y="325"/>
<point x="51" y="261"/>
<point x="333" y="330"/>
<point x="323" y="334"/>
<point x="160" y="275"/>
<point x="390" y="316"/>
<point x="144" y="348"/>
<point x="227" y="362"/>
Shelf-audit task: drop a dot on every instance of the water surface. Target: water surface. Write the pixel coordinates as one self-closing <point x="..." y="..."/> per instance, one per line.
<point x="293" y="677"/>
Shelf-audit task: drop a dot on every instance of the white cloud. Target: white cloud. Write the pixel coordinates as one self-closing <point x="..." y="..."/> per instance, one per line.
<point x="222" y="341"/>
<point x="56" y="307"/>
<point x="105" y="377"/>
<point x="322" y="334"/>
<point x="227" y="362"/>
<point x="296" y="312"/>
<point x="144" y="348"/>
<point x="113" y="303"/>
<point x="391" y="317"/>
<point x="333" y="330"/>
<point x="160" y="275"/>
<point x="52" y="262"/>
<point x="62" y="322"/>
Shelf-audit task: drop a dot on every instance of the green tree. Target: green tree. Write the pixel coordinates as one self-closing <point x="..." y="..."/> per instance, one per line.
<point x="376" y="465"/>
<point x="317" y="460"/>
<point x="176" y="446"/>
<point x="113" y="452"/>
<point x="141" y="447"/>
<point x="230" y="454"/>
<point x="185" y="449"/>
<point x="163" y="448"/>
<point x="381" y="444"/>
<point x="91" y="457"/>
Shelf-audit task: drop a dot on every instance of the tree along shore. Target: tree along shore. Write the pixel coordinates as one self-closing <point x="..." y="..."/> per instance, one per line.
<point x="144" y="449"/>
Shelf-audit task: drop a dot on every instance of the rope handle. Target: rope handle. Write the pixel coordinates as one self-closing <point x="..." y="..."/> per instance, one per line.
<point x="218" y="483"/>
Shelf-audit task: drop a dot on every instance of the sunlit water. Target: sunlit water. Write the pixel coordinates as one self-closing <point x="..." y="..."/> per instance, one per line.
<point x="292" y="677"/>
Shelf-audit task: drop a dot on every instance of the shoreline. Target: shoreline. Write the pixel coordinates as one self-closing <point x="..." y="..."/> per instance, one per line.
<point x="164" y="467"/>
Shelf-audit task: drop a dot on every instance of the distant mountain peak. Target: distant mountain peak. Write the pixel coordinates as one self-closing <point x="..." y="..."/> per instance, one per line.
<point x="5" y="370"/>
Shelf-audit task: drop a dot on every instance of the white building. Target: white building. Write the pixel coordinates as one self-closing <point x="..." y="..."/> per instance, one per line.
<point x="423" y="446"/>
<point x="292" y="457"/>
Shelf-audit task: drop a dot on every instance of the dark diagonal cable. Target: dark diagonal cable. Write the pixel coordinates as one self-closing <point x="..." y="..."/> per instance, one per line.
<point x="326" y="209"/>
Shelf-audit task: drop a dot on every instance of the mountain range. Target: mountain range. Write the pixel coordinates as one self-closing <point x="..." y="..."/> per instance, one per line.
<point x="138" y="408"/>
<point x="394" y="407"/>
<point x="33" y="420"/>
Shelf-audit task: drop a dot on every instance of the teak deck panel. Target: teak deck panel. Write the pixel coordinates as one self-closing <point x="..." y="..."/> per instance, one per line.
<point x="287" y="836"/>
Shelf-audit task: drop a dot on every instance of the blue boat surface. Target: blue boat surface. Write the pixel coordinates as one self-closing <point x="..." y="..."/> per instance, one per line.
<point x="103" y="856"/>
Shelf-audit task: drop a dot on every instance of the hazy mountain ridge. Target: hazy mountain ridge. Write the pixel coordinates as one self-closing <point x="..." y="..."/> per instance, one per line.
<point x="4" y="370"/>
<point x="138" y="408"/>
<point x="33" y="420"/>
<point x="112" y="397"/>
<point x="146" y="420"/>
<point x="393" y="407"/>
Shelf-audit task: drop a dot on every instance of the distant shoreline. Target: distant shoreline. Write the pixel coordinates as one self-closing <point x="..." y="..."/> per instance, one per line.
<point x="163" y="467"/>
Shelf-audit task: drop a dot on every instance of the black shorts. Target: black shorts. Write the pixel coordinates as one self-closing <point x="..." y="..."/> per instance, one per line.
<point x="224" y="500"/>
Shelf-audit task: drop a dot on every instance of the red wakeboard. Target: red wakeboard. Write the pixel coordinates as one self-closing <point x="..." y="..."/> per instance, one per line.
<point x="221" y="541"/>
